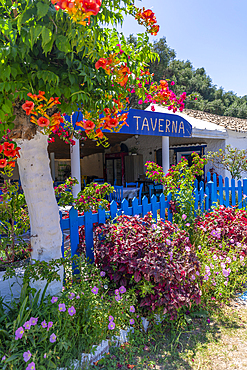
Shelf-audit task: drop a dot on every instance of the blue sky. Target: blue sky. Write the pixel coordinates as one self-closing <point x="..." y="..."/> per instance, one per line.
<point x="211" y="34"/>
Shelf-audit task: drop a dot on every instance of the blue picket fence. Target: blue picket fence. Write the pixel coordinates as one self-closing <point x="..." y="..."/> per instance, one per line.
<point x="226" y="193"/>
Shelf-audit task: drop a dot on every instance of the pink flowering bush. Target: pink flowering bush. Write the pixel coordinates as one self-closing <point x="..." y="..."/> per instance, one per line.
<point x="222" y="250"/>
<point x="60" y="329"/>
<point x="179" y="183"/>
<point x="91" y="198"/>
<point x="157" y="260"/>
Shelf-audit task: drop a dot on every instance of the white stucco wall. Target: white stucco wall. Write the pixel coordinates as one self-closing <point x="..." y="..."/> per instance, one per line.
<point x="148" y="144"/>
<point x="237" y="140"/>
<point x="92" y="165"/>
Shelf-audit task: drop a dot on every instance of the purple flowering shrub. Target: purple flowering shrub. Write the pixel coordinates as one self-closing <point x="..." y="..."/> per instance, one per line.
<point x="156" y="259"/>
<point x="222" y="250"/>
<point x="61" y="328"/>
<point x="225" y="224"/>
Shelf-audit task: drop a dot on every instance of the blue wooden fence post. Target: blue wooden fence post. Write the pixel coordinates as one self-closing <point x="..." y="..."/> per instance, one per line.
<point x="89" y="236"/>
<point x="62" y="246"/>
<point x="244" y="192"/>
<point x="74" y="237"/>
<point x="169" y="198"/>
<point x="210" y="186"/>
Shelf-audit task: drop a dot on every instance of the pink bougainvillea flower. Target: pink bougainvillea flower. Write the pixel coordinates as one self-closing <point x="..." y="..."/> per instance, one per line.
<point x="53" y="338"/>
<point x="27" y="355"/>
<point x="111" y="325"/>
<point x="72" y="311"/>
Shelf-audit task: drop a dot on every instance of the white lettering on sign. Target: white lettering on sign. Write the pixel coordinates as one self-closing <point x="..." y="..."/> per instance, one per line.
<point x="137" y="118"/>
<point x="160" y="125"/>
<point x="153" y="126"/>
<point x="168" y="125"/>
<point x="174" y="127"/>
<point x="145" y="125"/>
<point x="181" y="127"/>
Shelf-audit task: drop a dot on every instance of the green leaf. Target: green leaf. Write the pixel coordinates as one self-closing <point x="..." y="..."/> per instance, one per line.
<point x="42" y="9"/>
<point x="52" y="365"/>
<point x="35" y="31"/>
<point x="62" y="43"/>
<point x="11" y="358"/>
<point x="46" y="36"/>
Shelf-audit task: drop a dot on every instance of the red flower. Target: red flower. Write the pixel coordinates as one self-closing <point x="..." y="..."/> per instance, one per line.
<point x="91" y="6"/>
<point x="102" y="62"/>
<point x="3" y="163"/>
<point x="9" y="149"/>
<point x="155" y="30"/>
<point x="11" y="163"/>
<point x="43" y="122"/>
<point x="88" y="125"/>
<point x="99" y="133"/>
<point x="149" y="16"/>
<point x="1" y="148"/>
<point x="28" y="107"/>
<point x="112" y="122"/>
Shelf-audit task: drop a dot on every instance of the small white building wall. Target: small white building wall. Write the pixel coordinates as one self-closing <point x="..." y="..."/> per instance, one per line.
<point x="236" y="140"/>
<point x="214" y="145"/>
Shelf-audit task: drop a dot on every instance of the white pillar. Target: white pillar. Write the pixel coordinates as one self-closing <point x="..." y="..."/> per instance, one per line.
<point x="165" y="153"/>
<point x="52" y="159"/>
<point x="75" y="166"/>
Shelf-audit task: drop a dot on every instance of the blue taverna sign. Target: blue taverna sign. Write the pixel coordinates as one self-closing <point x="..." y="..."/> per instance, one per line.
<point x="142" y="122"/>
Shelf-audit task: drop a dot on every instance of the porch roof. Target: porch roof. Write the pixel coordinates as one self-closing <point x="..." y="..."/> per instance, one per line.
<point x="200" y="128"/>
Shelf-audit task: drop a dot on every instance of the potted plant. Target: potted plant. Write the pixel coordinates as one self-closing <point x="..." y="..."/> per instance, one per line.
<point x="133" y="151"/>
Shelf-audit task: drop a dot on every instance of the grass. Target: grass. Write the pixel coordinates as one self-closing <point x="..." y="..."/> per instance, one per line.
<point x="193" y="343"/>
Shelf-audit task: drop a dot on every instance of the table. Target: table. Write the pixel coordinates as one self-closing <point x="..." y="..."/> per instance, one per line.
<point x="130" y="193"/>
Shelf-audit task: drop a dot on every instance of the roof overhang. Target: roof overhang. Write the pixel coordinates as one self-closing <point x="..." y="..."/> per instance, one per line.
<point x="200" y="128"/>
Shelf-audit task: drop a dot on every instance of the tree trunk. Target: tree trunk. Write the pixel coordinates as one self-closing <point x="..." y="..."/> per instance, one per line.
<point x="36" y="181"/>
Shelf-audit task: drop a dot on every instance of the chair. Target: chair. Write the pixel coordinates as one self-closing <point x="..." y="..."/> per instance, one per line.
<point x="99" y="181"/>
<point x="155" y="189"/>
<point x="131" y="184"/>
<point x="118" y="194"/>
<point x="140" y="195"/>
